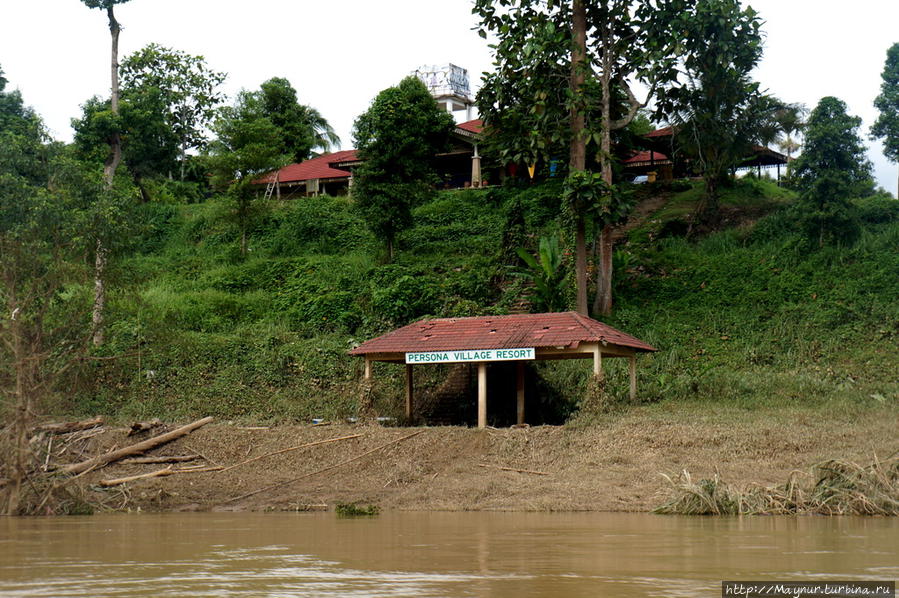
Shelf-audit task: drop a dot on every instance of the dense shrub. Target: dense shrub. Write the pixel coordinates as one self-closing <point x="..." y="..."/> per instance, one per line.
<point x="319" y="225"/>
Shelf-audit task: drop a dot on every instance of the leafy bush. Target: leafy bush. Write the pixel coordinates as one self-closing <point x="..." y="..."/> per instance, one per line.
<point x="408" y="298"/>
<point x="321" y="225"/>
<point x="877" y="209"/>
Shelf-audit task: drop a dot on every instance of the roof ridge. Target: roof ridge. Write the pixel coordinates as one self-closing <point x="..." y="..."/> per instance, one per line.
<point x="587" y="325"/>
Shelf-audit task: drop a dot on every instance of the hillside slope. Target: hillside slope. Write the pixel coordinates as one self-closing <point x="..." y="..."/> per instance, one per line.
<point x="744" y="317"/>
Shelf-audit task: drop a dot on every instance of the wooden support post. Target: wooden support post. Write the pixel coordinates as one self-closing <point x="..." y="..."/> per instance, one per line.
<point x="482" y="395"/>
<point x="632" y="367"/>
<point x="409" y="392"/>
<point x="597" y="363"/>
<point x="367" y="369"/>
<point x="519" y="383"/>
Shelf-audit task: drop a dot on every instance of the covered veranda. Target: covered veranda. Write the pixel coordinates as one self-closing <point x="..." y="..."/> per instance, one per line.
<point x="516" y="338"/>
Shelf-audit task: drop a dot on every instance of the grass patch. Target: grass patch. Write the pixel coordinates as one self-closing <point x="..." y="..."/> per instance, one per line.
<point x="354" y="510"/>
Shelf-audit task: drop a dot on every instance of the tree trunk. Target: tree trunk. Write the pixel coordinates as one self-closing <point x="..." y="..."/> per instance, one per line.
<point x="183" y="155"/>
<point x="112" y="163"/>
<point x="20" y="421"/>
<point x="602" y="301"/>
<point x="99" y="294"/>
<point x="578" y="151"/>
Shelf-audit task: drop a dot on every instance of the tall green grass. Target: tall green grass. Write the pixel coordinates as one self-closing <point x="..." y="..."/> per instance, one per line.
<point x="744" y="317"/>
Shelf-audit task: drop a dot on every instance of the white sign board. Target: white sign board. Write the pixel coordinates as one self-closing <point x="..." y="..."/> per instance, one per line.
<point x="471" y="355"/>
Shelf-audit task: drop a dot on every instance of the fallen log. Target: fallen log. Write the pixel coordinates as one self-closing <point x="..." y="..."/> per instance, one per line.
<point x="68" y="427"/>
<point x="135" y="449"/>
<point x="320" y="471"/>
<point x="293" y="448"/>
<point x="138" y="427"/>
<point x="161" y="459"/>
<point x="132" y="478"/>
<point x="155" y="474"/>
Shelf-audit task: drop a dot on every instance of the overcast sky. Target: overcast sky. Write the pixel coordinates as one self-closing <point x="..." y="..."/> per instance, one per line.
<point x="338" y="55"/>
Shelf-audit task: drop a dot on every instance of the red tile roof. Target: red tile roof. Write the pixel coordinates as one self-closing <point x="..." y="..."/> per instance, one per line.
<point x="472" y="126"/>
<point x="319" y="167"/>
<point x="565" y="329"/>
<point x="664" y="132"/>
<point x="646" y="157"/>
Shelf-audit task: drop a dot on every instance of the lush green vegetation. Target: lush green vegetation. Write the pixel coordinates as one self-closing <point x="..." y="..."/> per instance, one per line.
<point x="744" y="316"/>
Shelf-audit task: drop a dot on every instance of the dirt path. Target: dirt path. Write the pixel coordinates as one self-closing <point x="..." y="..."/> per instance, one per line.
<point x="640" y="214"/>
<point x="614" y="464"/>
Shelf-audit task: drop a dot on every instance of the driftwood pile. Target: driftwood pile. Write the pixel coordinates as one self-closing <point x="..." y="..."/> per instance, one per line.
<point x="47" y="487"/>
<point x="65" y="440"/>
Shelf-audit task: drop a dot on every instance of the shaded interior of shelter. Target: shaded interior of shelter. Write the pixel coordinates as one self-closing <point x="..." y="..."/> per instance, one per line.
<point x="448" y="395"/>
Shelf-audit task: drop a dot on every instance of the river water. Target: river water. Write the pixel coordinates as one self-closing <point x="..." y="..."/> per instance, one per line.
<point x="432" y="554"/>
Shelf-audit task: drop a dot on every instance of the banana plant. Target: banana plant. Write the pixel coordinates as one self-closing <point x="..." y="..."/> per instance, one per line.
<point x="547" y="274"/>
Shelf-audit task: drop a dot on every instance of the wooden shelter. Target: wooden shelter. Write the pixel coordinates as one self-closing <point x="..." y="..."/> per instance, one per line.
<point x="658" y="154"/>
<point x="485" y="339"/>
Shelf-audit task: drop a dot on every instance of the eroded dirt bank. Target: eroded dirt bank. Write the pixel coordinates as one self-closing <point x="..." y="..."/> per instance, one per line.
<point x="613" y="464"/>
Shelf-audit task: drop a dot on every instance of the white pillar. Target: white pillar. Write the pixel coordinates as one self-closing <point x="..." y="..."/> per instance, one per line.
<point x="475" y="167"/>
<point x="409" y="392"/>
<point x="482" y="395"/>
<point x="597" y="363"/>
<point x="632" y="367"/>
<point x="519" y="383"/>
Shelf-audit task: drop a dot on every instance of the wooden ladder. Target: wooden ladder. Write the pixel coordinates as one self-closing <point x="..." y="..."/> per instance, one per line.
<point x="270" y="189"/>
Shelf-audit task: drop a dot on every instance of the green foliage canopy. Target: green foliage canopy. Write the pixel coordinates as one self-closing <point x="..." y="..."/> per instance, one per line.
<point x="886" y="126"/>
<point x="179" y="89"/>
<point x="243" y="151"/>
<point x="832" y="169"/>
<point x="103" y="4"/>
<point x="717" y="109"/>
<point x="397" y="138"/>
<point x="526" y="101"/>
<point x="302" y="129"/>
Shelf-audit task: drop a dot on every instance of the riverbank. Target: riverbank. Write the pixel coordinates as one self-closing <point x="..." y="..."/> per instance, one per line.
<point x="614" y="463"/>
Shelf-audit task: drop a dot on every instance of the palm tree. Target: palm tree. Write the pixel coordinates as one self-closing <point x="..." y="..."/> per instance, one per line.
<point x="323" y="135"/>
<point x="790" y="121"/>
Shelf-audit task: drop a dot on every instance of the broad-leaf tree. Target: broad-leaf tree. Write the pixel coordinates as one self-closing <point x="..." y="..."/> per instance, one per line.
<point x="302" y="129"/>
<point x="150" y="146"/>
<point x="718" y="111"/>
<point x="177" y="88"/>
<point x="112" y="162"/>
<point x="560" y="68"/>
<point x="397" y="138"/>
<point x="886" y="126"/>
<point x="832" y="169"/>
<point x="242" y="151"/>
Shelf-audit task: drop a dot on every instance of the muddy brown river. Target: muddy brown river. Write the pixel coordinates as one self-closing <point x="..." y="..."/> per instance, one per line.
<point x="432" y="554"/>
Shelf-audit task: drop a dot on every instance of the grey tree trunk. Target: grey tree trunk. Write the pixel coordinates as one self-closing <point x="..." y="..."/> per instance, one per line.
<point x="602" y="300"/>
<point x="20" y="421"/>
<point x="109" y="168"/>
<point x="578" y="151"/>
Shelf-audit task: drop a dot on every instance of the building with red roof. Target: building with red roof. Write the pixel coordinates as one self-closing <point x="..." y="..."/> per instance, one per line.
<point x="487" y="339"/>
<point x="660" y="144"/>
<point x="458" y="167"/>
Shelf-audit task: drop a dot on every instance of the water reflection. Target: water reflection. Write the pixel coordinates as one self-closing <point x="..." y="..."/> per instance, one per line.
<point x="431" y="554"/>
